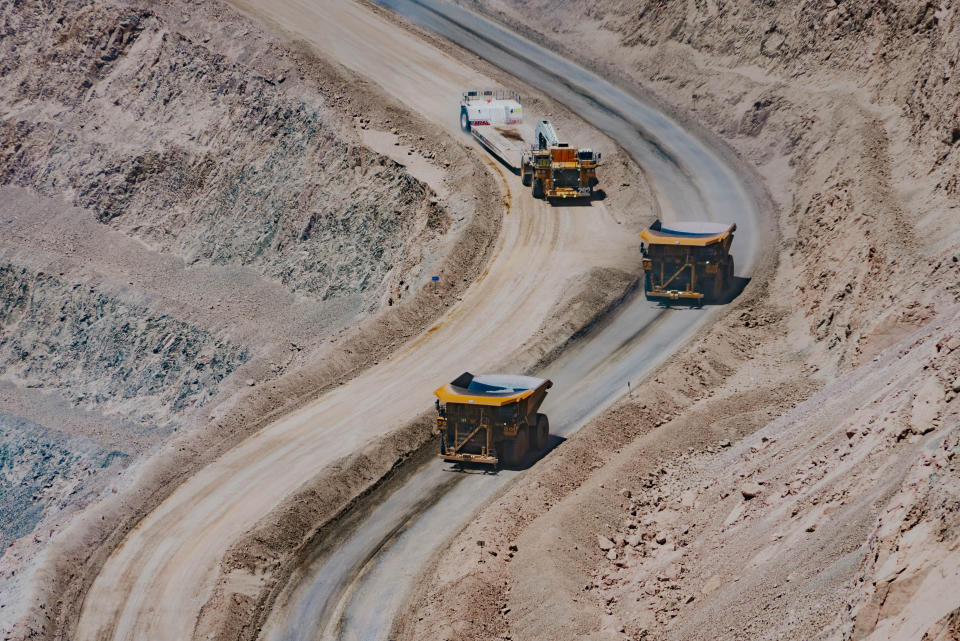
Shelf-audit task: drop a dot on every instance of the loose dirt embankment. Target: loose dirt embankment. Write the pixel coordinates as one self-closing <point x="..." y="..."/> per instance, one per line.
<point x="837" y="518"/>
<point x="191" y="207"/>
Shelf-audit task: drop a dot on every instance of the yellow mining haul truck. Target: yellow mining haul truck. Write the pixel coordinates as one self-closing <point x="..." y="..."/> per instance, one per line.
<point x="555" y="170"/>
<point x="687" y="261"/>
<point x="492" y="419"/>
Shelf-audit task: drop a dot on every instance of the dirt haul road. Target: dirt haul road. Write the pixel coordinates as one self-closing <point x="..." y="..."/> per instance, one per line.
<point x="356" y="586"/>
<point x="154" y="585"/>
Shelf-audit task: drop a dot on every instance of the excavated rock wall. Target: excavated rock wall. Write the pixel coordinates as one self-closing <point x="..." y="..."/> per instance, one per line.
<point x="105" y="354"/>
<point x="836" y="520"/>
<point x="171" y="142"/>
<point x="39" y="466"/>
<point x="898" y="51"/>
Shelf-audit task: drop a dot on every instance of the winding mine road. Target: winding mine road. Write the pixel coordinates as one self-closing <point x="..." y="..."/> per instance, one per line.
<point x="356" y="586"/>
<point x="155" y="583"/>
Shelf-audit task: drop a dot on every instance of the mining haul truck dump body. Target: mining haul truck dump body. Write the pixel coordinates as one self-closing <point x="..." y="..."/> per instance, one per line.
<point x="495" y="118"/>
<point x="687" y="261"/>
<point x="492" y="418"/>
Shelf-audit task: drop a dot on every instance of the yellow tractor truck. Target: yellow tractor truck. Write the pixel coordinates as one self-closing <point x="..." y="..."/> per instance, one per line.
<point x="492" y="419"/>
<point x="687" y="261"/>
<point x="555" y="170"/>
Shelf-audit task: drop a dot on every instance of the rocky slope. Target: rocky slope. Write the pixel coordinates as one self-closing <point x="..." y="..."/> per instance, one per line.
<point x="192" y="220"/>
<point x="848" y="113"/>
<point x="834" y="521"/>
<point x="102" y="353"/>
<point x="43" y="466"/>
<point x="215" y="163"/>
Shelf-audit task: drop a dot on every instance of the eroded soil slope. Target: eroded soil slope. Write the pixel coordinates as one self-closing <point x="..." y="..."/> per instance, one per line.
<point x="792" y="474"/>
<point x="191" y="219"/>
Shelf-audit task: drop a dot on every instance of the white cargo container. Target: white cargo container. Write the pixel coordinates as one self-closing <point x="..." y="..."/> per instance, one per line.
<point x="495" y="118"/>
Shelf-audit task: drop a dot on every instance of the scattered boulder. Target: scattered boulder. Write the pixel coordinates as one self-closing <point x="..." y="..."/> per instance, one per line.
<point x="604" y="543"/>
<point x="750" y="490"/>
<point x="670" y="573"/>
<point x="712" y="584"/>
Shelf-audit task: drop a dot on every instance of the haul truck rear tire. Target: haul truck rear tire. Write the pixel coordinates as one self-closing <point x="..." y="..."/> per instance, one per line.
<point x="515" y="449"/>
<point x="725" y="282"/>
<point x="541" y="435"/>
<point x="464" y="120"/>
<point x="526" y="177"/>
<point x="718" y="287"/>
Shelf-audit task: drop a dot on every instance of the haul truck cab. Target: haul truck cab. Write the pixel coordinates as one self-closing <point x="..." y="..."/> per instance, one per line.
<point x="492" y="419"/>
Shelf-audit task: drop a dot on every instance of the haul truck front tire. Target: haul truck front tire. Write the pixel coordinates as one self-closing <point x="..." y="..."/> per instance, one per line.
<point x="537" y="188"/>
